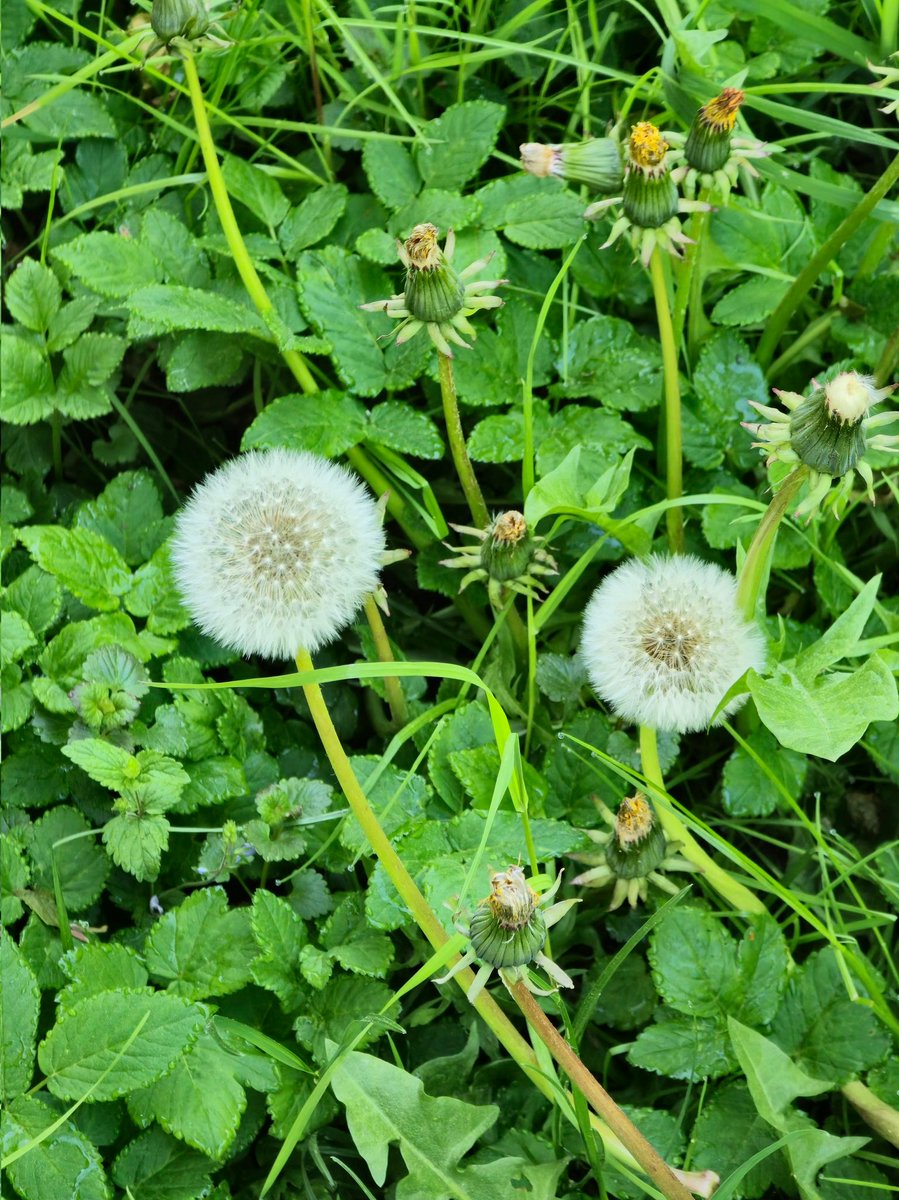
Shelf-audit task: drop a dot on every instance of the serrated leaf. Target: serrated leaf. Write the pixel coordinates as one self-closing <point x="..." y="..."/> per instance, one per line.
<point x="199" y="1101"/>
<point x="109" y="263"/>
<point x="399" y="427"/>
<point x="691" y="1048"/>
<point x="16" y="636"/>
<point x="747" y="791"/>
<point x="82" y="561"/>
<point x="694" y="961"/>
<point x="198" y="360"/>
<point x="71" y="321"/>
<point x="36" y="596"/>
<point x="165" y="308"/>
<point x="715" y="1148"/>
<point x="607" y="360"/>
<point x="461" y="140"/>
<point x="81" y="865"/>
<point x="89" y="1039"/>
<point x="136" y="843"/>
<point x="327" y="423"/>
<point x="100" y="967"/>
<point x="750" y="302"/>
<point x="255" y="189"/>
<point x="156" y="1166"/>
<point x="357" y="948"/>
<point x="33" y="295"/>
<point x="313" y="218"/>
<point x="19" y="1005"/>
<point x="29" y="393"/>
<point x="547" y="221"/>
<point x="212" y="781"/>
<point x="63" y="1166"/>
<point x="202" y="947"/>
<point x="392" y="175"/>
<point x="281" y="938"/>
<point x="128" y="514"/>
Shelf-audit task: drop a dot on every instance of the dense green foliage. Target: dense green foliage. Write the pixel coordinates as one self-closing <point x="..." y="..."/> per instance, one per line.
<point x="202" y="959"/>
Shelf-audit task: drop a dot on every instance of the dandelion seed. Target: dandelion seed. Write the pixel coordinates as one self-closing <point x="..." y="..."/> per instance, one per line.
<point x="663" y="641"/>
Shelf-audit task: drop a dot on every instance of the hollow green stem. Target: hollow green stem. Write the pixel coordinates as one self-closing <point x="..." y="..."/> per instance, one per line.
<point x="889" y="27"/>
<point x="800" y="286"/>
<point x="596" y="1095"/>
<point x="883" y="372"/>
<point x="396" y="697"/>
<point x="874" y="1112"/>
<point x="722" y="881"/>
<point x="456" y="437"/>
<point x="755" y="565"/>
<point x="230" y="228"/>
<point x="673" y="439"/>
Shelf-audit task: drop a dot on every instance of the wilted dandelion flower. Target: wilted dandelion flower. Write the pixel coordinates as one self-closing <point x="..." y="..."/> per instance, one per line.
<point x="650" y="201"/>
<point x="828" y="432"/>
<point x="711" y="155"/>
<point x="664" y="639"/>
<point x="508" y="932"/>
<point x="634" y="852"/>
<point x="276" y="550"/>
<point x="436" y="296"/>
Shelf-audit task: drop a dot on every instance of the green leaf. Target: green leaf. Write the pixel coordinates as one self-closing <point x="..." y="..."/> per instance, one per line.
<point x="750" y="302"/>
<point x="19" y="1004"/>
<point x="281" y="938"/>
<point x="715" y="1148"/>
<point x="82" y="389"/>
<point x="33" y="295"/>
<point x="199" y="1101"/>
<point x="88" y="1040"/>
<point x="828" y="1034"/>
<point x="690" y="1048"/>
<point x="402" y="428"/>
<point x="255" y="189"/>
<point x="461" y="140"/>
<point x="392" y="175"/>
<point x="385" y="1104"/>
<point x="607" y="360"/>
<point x="313" y="218"/>
<point x="71" y="321"/>
<point x="166" y="308"/>
<point x="158" y="1167"/>
<point x="128" y="514"/>
<point x="136" y="843"/>
<point x="763" y="963"/>
<point x="327" y="423"/>
<point x="155" y="594"/>
<point x="499" y="438"/>
<point x="212" y="781"/>
<point x="202" y="947"/>
<point x="550" y="220"/>
<point x="199" y="360"/>
<point x="746" y="789"/>
<point x="99" y="967"/>
<point x="16" y="636"/>
<point x="36" y="596"/>
<point x="29" y="393"/>
<point x="81" y="865"/>
<point x="693" y="960"/>
<point x="828" y="715"/>
<point x="109" y="263"/>
<point x="63" y="1166"/>
<point x="603" y="438"/>
<point x="82" y="561"/>
<point x="146" y="778"/>
<point x="350" y="942"/>
<point x="840" y="640"/>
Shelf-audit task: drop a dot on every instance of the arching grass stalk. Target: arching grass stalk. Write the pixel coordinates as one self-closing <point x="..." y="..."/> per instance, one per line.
<point x="717" y="877"/>
<point x="626" y="1140"/>
<point x="674" y="486"/>
<point x="777" y="322"/>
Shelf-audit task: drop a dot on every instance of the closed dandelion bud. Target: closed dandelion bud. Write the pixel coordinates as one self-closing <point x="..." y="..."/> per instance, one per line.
<point x="507" y="549"/>
<point x="506" y="555"/>
<point x="171" y="19"/>
<point x="650" y="195"/>
<point x="508" y="930"/>
<point x="434" y="292"/>
<point x="708" y="144"/>
<point x="596" y="162"/>
<point x="827" y="429"/>
<point x="639" y="843"/>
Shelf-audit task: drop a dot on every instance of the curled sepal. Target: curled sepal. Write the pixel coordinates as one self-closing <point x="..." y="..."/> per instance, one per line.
<point x="505" y="555"/>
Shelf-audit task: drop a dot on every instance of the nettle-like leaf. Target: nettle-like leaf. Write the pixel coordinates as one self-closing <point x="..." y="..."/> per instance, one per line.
<point x="280" y="936"/>
<point x="136" y="842"/>
<point x="99" y="967"/>
<point x="146" y="780"/>
<point x="65" y="1164"/>
<point x="459" y="143"/>
<point x="313" y="218"/>
<point x="349" y="941"/>
<point x="81" y="865"/>
<point x="19" y="1004"/>
<point x="328" y="423"/>
<point x="33" y="295"/>
<point x="812" y="708"/>
<point x="202" y="947"/>
<point x="392" y="174"/>
<point x="109" y="263"/>
<point x="84" y="562"/>
<point x="156" y="1166"/>
<point x="607" y="360"/>
<point x="746" y="788"/>
<point x="86" y="1047"/>
<point x="385" y="1104"/>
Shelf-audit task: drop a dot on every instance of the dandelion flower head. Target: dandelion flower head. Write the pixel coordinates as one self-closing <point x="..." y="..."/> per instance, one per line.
<point x="663" y="641"/>
<point x="276" y="550"/>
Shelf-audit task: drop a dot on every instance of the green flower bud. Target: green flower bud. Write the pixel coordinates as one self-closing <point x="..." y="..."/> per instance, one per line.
<point x="434" y="292"/>
<point x="172" y="19"/>
<point x="596" y="162"/>
<point x="508" y="547"/>
<point x="650" y="195"/>
<point x="508" y="930"/>
<point x="708" y="148"/>
<point x="639" y="844"/>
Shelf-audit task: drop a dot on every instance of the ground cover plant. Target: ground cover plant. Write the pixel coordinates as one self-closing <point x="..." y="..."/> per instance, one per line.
<point x="449" y="617"/>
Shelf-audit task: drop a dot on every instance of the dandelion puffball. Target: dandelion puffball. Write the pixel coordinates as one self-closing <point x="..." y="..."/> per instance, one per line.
<point x="275" y="552"/>
<point x="664" y="639"/>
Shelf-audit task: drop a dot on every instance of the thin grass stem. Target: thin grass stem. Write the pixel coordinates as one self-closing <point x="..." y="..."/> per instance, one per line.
<point x="456" y="438"/>
<point x="396" y="697"/>
<point x="674" y="478"/>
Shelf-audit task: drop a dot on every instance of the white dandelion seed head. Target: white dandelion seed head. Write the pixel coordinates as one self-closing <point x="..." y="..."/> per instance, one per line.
<point x="663" y="641"/>
<point x="275" y="552"/>
<point x="850" y="395"/>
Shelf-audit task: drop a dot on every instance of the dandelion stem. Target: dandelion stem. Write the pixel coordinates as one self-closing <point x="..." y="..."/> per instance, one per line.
<point x="755" y="564"/>
<point x="673" y="443"/>
<point x="722" y="881"/>
<point x="624" y="1129"/>
<point x="828" y="250"/>
<point x="396" y="697"/>
<point x="230" y="228"/>
<point x="456" y="437"/>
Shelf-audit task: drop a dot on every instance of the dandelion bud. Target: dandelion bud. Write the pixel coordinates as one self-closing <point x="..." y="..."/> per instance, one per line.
<point x="664" y="640"/>
<point x="707" y="148"/>
<point x="507" y="555"/>
<point x="276" y="551"/>
<point x="508" y="930"/>
<point x="434" y="291"/>
<point x="596" y="162"/>
<point x="172" y="19"/>
<point x="650" y="195"/>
